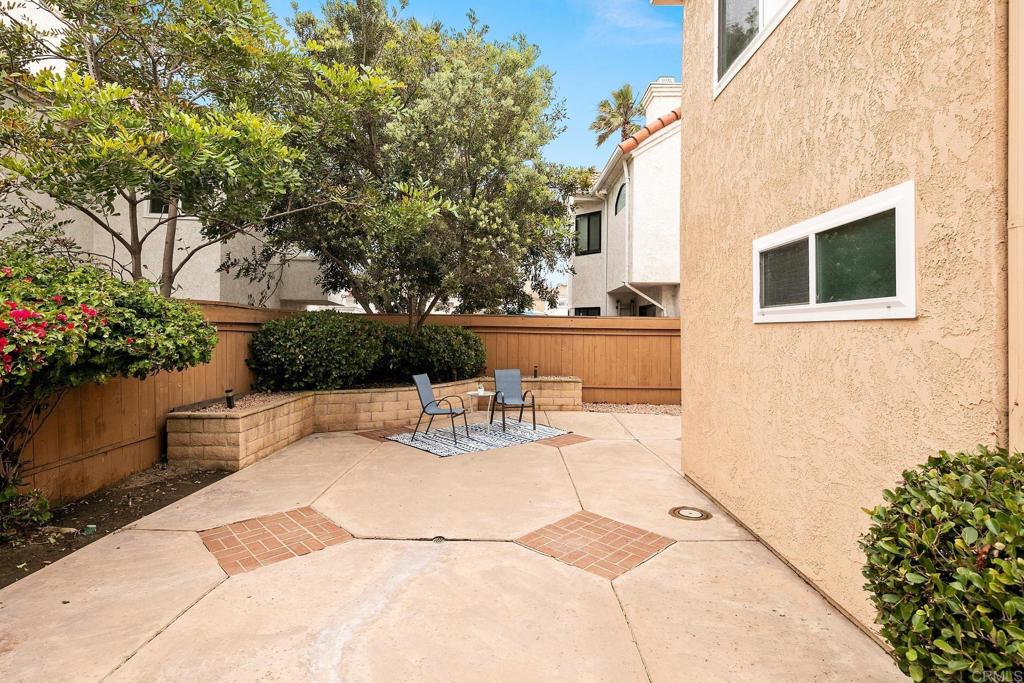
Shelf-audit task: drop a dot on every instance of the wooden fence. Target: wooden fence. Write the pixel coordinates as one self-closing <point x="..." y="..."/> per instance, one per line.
<point x="620" y="360"/>
<point x="97" y="435"/>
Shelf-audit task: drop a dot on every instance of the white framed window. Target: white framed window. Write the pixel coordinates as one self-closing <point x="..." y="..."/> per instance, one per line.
<point x="741" y="27"/>
<point x="853" y="263"/>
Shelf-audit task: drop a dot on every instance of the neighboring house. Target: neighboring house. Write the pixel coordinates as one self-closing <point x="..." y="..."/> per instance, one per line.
<point x="850" y="272"/>
<point x="291" y="286"/>
<point x="627" y="226"/>
<point x="541" y="307"/>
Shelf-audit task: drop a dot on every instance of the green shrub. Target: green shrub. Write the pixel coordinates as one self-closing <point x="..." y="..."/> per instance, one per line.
<point x="63" y="324"/>
<point x="20" y="510"/>
<point x="317" y="350"/>
<point x="945" y="567"/>
<point x="329" y="350"/>
<point x="444" y="353"/>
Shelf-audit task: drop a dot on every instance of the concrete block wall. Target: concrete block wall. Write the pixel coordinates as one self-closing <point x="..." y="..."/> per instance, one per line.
<point x="236" y="439"/>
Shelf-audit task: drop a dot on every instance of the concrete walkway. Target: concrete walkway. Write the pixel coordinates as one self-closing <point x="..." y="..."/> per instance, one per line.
<point x="354" y="586"/>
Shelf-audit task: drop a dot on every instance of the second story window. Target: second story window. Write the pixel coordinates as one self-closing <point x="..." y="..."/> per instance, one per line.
<point x="588" y="233"/>
<point x="738" y="22"/>
<point x="740" y="28"/>
<point x="620" y="199"/>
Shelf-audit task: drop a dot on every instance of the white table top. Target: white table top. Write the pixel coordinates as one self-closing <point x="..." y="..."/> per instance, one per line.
<point x="482" y="392"/>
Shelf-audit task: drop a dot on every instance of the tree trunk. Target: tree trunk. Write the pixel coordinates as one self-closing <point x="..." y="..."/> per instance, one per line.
<point x="135" y="250"/>
<point x="170" y="239"/>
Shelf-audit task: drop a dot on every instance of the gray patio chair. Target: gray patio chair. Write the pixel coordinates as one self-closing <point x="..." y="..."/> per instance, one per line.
<point x="432" y="407"/>
<point x="508" y="391"/>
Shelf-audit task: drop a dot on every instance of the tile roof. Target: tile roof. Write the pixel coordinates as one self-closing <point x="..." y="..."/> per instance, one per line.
<point x="634" y="141"/>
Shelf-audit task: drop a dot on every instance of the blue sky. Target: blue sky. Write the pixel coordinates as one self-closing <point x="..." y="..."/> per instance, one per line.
<point x="593" y="46"/>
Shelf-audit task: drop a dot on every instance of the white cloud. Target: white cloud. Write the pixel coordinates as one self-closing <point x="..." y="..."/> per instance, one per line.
<point x="629" y="22"/>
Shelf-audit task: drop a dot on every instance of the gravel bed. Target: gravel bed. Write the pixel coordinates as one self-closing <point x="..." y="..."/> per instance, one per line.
<point x="646" y="408"/>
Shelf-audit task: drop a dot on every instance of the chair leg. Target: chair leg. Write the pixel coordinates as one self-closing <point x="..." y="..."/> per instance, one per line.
<point x="521" y="409"/>
<point x="417" y="426"/>
<point x="429" y="422"/>
<point x="494" y="404"/>
<point x="465" y="421"/>
<point x="455" y="436"/>
<point x="503" y="417"/>
<point x="533" y="409"/>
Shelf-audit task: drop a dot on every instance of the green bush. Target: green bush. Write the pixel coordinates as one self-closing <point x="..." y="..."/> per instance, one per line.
<point x="20" y="510"/>
<point x="64" y="323"/>
<point x="329" y="350"/>
<point x="444" y="353"/>
<point x="945" y="568"/>
<point x="317" y="350"/>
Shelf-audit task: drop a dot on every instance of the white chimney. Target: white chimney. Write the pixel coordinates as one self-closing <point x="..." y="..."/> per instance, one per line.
<point x="661" y="97"/>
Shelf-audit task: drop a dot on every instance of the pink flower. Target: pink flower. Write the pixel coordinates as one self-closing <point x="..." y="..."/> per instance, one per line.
<point x="61" y="317"/>
<point x="27" y="279"/>
<point x="3" y="343"/>
<point x="69" y="326"/>
<point x="7" y="272"/>
<point x="58" y="298"/>
<point x="130" y="340"/>
<point x="91" y="312"/>
<point x="4" y="326"/>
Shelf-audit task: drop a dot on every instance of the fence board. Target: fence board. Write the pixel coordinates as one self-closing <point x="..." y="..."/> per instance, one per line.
<point x="97" y="435"/>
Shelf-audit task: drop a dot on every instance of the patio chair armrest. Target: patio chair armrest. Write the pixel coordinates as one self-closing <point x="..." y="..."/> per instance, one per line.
<point x="533" y="398"/>
<point x="447" y="398"/>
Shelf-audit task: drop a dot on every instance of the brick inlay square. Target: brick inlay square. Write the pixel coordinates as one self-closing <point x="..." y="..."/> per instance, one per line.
<point x="564" y="440"/>
<point x="383" y="434"/>
<point x="596" y="544"/>
<point x="254" y="543"/>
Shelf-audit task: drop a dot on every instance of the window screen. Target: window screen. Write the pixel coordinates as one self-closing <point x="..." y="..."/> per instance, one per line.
<point x="785" y="276"/>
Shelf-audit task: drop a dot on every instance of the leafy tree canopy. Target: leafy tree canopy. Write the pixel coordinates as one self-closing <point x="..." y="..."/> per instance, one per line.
<point x="451" y="202"/>
<point x="109" y="105"/>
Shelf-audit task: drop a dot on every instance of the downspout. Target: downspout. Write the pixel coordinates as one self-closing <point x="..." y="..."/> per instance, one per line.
<point x="629" y="218"/>
<point x="1015" y="227"/>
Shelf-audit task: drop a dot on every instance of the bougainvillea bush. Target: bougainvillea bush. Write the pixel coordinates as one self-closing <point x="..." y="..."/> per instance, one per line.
<point x="63" y="324"/>
<point x="328" y="350"/>
<point x="945" y="567"/>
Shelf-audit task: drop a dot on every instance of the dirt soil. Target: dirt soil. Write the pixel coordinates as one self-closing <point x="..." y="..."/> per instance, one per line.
<point x="108" y="509"/>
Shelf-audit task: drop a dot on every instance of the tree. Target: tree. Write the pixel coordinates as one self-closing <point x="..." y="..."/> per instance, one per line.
<point x="620" y="113"/>
<point x="64" y="324"/>
<point x="450" y="200"/>
<point x="162" y="101"/>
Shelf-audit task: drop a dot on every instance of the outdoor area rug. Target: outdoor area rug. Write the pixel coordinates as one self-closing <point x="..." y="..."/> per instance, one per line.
<point x="439" y="440"/>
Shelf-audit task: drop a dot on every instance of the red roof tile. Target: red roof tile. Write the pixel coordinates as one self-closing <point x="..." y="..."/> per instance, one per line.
<point x="634" y="141"/>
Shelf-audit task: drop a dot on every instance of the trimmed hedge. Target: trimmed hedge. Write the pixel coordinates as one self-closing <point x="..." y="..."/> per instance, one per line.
<point x="945" y="567"/>
<point x="326" y="350"/>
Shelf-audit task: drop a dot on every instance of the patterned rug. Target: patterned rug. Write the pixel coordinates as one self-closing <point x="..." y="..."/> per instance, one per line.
<point x="439" y="440"/>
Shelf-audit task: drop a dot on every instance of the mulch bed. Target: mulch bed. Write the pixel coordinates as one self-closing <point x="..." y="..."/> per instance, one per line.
<point x="108" y="509"/>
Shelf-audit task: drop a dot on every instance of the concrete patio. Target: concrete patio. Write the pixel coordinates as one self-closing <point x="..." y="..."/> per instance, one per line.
<point x="365" y="591"/>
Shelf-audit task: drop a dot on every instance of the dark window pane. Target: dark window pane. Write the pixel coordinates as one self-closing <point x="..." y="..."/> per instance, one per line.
<point x="582" y="235"/>
<point x="858" y="260"/>
<point x="620" y="199"/>
<point x="738" y="24"/>
<point x="588" y="233"/>
<point x="588" y="311"/>
<point x="157" y="206"/>
<point x="785" y="279"/>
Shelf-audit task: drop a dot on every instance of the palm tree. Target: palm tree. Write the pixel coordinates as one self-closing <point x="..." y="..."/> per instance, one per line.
<point x="618" y="114"/>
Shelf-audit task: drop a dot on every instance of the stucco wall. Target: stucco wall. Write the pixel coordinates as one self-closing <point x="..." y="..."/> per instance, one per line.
<point x="796" y="427"/>
<point x="655" y="175"/>
<point x="586" y="287"/>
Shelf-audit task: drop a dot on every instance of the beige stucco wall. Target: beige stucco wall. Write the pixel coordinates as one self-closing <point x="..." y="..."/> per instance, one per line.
<point x="796" y="427"/>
